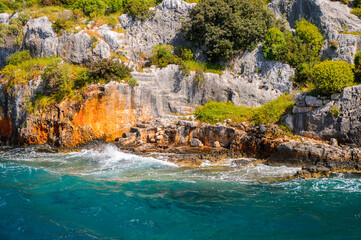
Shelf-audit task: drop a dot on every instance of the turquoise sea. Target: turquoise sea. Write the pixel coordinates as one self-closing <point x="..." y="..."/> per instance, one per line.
<point x="104" y="193"/>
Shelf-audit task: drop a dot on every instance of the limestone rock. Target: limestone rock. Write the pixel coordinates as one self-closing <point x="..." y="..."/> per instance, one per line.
<point x="196" y="143"/>
<point x="313" y="102"/>
<point x="40" y="38"/>
<point x="331" y="17"/>
<point x="114" y="39"/>
<point x="345" y="127"/>
<point x="75" y="48"/>
<point x="4" y="18"/>
<point x="162" y="28"/>
<point x="101" y="50"/>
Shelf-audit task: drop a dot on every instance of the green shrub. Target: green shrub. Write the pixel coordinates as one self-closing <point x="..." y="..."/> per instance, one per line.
<point x="274" y="40"/>
<point x="184" y="69"/>
<point x="335" y="111"/>
<point x="91" y="7"/>
<point x="60" y="25"/>
<point x="138" y="9"/>
<point x="3" y="7"/>
<point x="332" y="76"/>
<point x="163" y="55"/>
<point x="13" y="29"/>
<point x="227" y="27"/>
<point x="199" y="77"/>
<point x="357" y="12"/>
<point x="357" y="62"/>
<point x="115" y="6"/>
<point x="300" y="51"/>
<point x="269" y="113"/>
<point x="133" y="82"/>
<point x="185" y="53"/>
<point x="19" y="57"/>
<point x="105" y="71"/>
<point x="310" y="35"/>
<point x="357" y="3"/>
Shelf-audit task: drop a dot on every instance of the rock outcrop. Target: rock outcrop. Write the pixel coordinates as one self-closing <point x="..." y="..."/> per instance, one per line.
<point x="104" y="112"/>
<point x="335" y="117"/>
<point x="162" y="28"/>
<point x="40" y="38"/>
<point x="331" y="17"/>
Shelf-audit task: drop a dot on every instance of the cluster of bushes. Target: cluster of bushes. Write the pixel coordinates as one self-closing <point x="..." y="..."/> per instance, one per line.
<point x="271" y="112"/>
<point x="62" y="80"/>
<point x="301" y="51"/>
<point x="14" y="30"/>
<point x="165" y="54"/>
<point x="227" y="27"/>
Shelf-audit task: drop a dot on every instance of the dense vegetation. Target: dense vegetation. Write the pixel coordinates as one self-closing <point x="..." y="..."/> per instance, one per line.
<point x="301" y="51"/>
<point x="332" y="76"/>
<point x="271" y="112"/>
<point x="226" y="27"/>
<point x="62" y="80"/>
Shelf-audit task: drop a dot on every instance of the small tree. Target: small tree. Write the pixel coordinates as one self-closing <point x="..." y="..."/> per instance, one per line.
<point x="163" y="55"/>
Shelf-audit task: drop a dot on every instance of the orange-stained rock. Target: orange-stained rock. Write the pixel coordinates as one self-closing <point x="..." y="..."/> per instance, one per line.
<point x="6" y="127"/>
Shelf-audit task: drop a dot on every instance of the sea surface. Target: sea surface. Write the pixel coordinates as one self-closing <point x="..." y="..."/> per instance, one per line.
<point x="104" y="193"/>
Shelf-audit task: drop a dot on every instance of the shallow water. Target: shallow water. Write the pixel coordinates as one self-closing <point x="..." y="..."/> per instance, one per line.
<point x="108" y="194"/>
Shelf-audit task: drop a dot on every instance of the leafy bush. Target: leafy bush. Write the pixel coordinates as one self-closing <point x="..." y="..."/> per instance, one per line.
<point x="19" y="57"/>
<point x="105" y="71"/>
<point x="185" y="53"/>
<point x="91" y="7"/>
<point x="332" y="76"/>
<point x="335" y="111"/>
<point x="357" y="62"/>
<point x="59" y="79"/>
<point x="133" y="82"/>
<point x="3" y="7"/>
<point x="60" y="25"/>
<point x="310" y="35"/>
<point x="163" y="55"/>
<point x="300" y="51"/>
<point x="138" y="9"/>
<point x="226" y="27"/>
<point x="274" y="40"/>
<point x="269" y="113"/>
<point x="115" y="6"/>
<point x="199" y="77"/>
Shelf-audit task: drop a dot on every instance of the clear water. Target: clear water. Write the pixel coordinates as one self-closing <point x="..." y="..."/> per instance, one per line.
<point x="107" y="194"/>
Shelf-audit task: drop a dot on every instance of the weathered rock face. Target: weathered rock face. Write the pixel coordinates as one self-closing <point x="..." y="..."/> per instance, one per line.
<point x="331" y="17"/>
<point x="338" y="117"/>
<point x="172" y="92"/>
<point x="75" y="48"/>
<point x="162" y="28"/>
<point x="104" y="112"/>
<point x="40" y="38"/>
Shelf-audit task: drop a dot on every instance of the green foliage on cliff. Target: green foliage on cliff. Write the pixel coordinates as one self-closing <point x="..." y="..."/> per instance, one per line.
<point x="164" y="55"/>
<point x="332" y="76"/>
<point x="271" y="112"/>
<point x="300" y="51"/>
<point x="226" y="27"/>
<point x="357" y="70"/>
<point x="19" y="57"/>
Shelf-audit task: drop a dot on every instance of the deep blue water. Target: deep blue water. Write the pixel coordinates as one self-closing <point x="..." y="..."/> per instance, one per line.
<point x="107" y="194"/>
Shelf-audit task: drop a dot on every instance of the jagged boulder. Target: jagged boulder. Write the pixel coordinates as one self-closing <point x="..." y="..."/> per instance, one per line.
<point x="40" y="38"/>
<point x="331" y="17"/>
<point x="4" y="18"/>
<point x="338" y="117"/>
<point x="75" y="48"/>
<point x="101" y="50"/>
